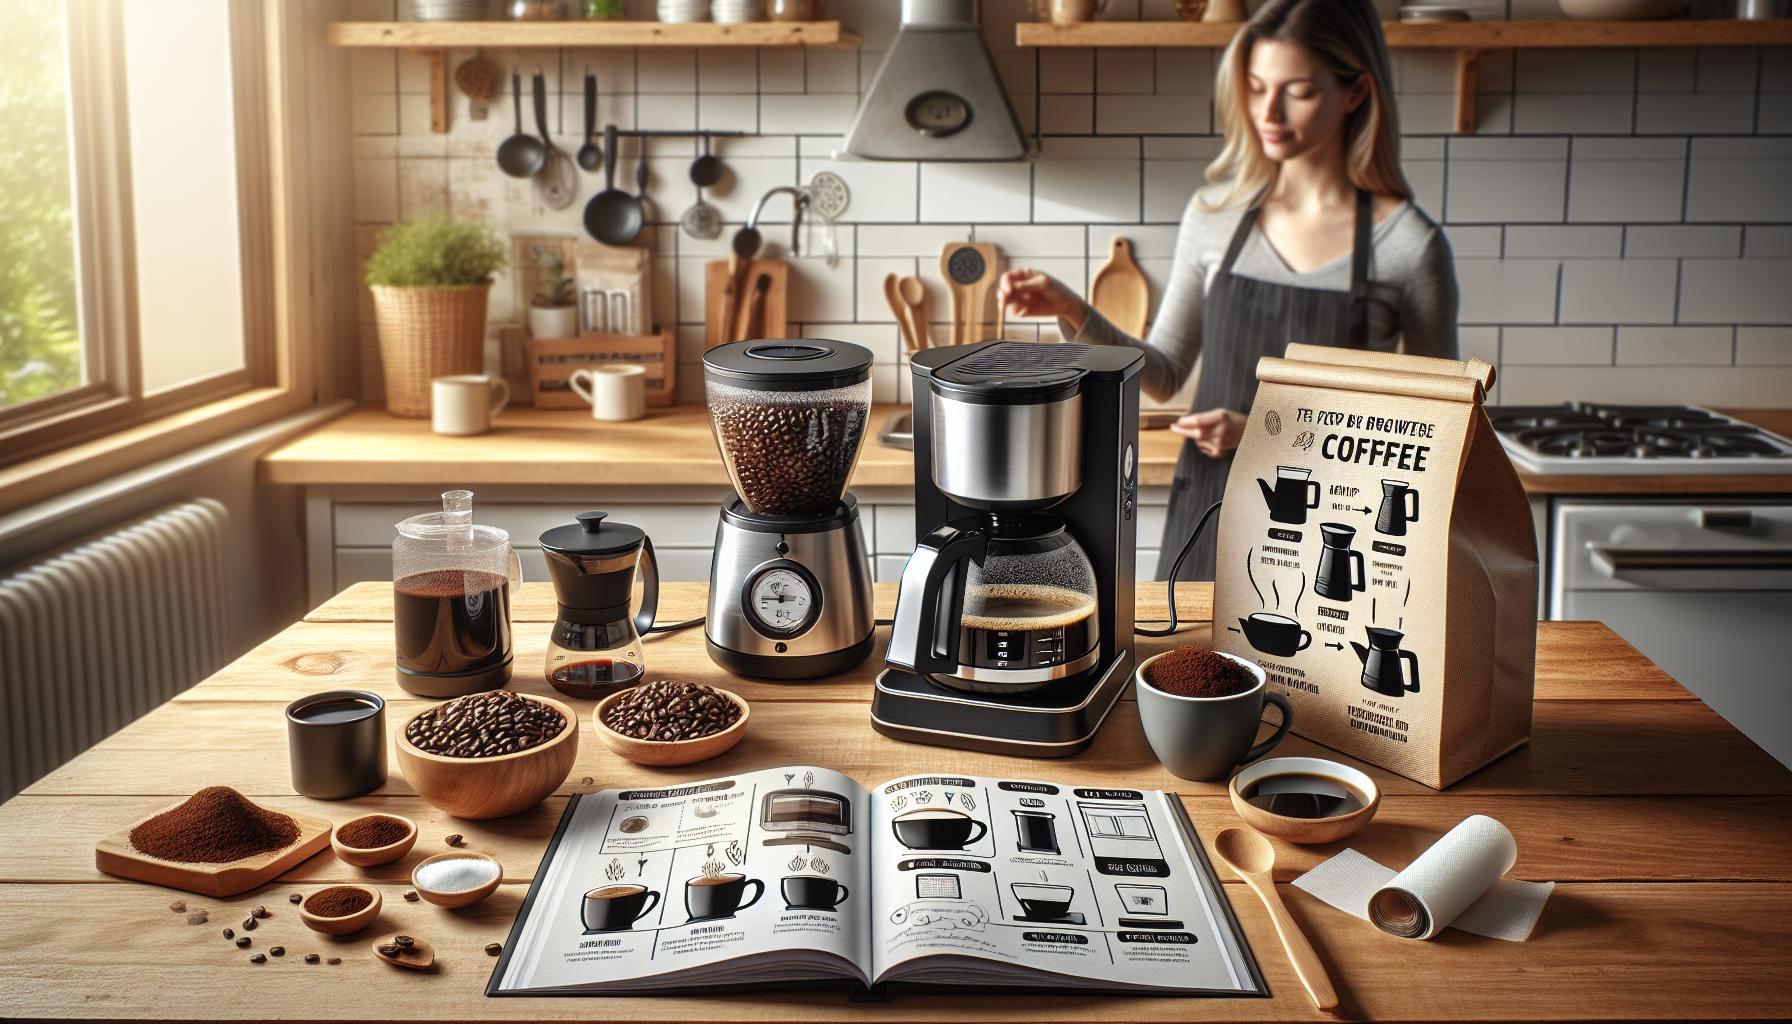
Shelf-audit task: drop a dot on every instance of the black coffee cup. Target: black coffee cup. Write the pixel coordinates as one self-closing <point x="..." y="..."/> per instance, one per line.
<point x="812" y="892"/>
<point x="1275" y="634"/>
<point x="706" y="897"/>
<point x="937" y="828"/>
<point x="615" y="908"/>
<point x="1043" y="902"/>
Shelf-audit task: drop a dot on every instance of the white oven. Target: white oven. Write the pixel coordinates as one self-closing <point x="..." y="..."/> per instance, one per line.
<point x="1703" y="588"/>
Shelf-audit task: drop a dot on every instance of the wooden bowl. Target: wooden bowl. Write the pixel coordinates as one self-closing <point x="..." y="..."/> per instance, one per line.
<point x="464" y="897"/>
<point x="342" y="925"/>
<point x="1305" y="831"/>
<point x="491" y="787"/>
<point x="671" y="752"/>
<point x="363" y="857"/>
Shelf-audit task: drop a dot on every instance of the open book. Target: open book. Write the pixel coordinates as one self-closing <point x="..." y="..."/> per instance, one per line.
<point x="799" y="875"/>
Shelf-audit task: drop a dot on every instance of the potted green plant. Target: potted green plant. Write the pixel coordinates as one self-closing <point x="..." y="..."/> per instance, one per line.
<point x="552" y="312"/>
<point x="431" y="278"/>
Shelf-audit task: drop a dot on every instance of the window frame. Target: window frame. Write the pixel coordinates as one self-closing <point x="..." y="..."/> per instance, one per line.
<point x="112" y="398"/>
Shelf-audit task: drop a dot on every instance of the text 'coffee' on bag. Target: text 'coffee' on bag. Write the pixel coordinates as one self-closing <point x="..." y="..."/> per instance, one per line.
<point x="1377" y="558"/>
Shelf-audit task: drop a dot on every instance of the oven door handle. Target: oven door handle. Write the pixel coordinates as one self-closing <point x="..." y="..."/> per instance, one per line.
<point x="1612" y="561"/>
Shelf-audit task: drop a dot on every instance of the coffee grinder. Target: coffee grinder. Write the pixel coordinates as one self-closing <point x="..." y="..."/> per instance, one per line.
<point x="595" y="646"/>
<point x="790" y="582"/>
<point x="1014" y="623"/>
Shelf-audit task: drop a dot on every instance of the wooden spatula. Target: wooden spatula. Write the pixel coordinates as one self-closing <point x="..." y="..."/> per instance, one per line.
<point x="971" y="270"/>
<point x="1119" y="291"/>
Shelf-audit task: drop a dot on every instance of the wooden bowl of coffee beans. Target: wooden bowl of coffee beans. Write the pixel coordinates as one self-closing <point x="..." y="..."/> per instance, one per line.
<point x="488" y="755"/>
<point x="670" y="723"/>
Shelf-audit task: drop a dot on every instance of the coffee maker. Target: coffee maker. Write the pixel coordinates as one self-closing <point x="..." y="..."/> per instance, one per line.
<point x="790" y="582"/>
<point x="1014" y="622"/>
<point x="595" y="646"/>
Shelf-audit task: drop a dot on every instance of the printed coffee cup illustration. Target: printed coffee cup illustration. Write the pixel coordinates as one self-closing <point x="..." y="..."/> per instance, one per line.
<point x="1037" y="832"/>
<point x="616" y="908"/>
<point x="1275" y="634"/>
<point x="1040" y="902"/>
<point x="1292" y="495"/>
<point x="1382" y="668"/>
<point x="714" y="896"/>
<point x="1144" y="899"/>
<point x="1341" y="570"/>
<point x="937" y="828"/>
<point x="811" y="892"/>
<point x="1395" y="513"/>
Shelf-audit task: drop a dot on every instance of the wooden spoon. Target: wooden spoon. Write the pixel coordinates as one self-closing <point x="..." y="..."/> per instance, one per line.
<point x="418" y="956"/>
<point x="893" y="295"/>
<point x="1252" y="858"/>
<point x="914" y="296"/>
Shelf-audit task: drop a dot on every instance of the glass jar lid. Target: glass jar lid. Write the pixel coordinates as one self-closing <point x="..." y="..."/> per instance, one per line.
<point x="794" y="364"/>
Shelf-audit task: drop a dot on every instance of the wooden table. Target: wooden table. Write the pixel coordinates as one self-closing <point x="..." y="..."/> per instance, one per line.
<point x="1670" y="833"/>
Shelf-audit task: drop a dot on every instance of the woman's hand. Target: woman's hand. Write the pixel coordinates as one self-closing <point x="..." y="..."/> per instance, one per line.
<point x="1031" y="293"/>
<point x="1216" y="432"/>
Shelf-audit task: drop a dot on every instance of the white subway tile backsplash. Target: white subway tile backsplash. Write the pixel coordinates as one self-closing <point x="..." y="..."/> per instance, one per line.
<point x="1556" y="346"/>
<point x="1736" y="291"/>
<point x="1557" y="240"/>
<point x="920" y="241"/>
<point x="372" y="70"/>
<point x="1140" y="115"/>
<point x="1470" y="241"/>
<point x="1741" y="180"/>
<point x="726" y="112"/>
<point x="1481" y="343"/>
<point x="1169" y="185"/>
<point x="1032" y="241"/>
<point x="1063" y="71"/>
<point x="1764" y="346"/>
<point x="1087" y="180"/>
<point x="1728" y="69"/>
<point x="821" y="114"/>
<point x="1554" y="71"/>
<point x="1667" y="69"/>
<point x="1427" y="180"/>
<point x="1675" y="346"/>
<point x="1768" y="240"/>
<point x="1627" y="180"/>
<point x="376" y="191"/>
<point x="1123" y="71"/>
<point x="728" y="70"/>
<point x="1776" y="69"/>
<point x="374" y="115"/>
<point x="1572" y="113"/>
<point x="782" y="70"/>
<point x="666" y="111"/>
<point x="881" y="191"/>
<point x="1067" y="115"/>
<point x="665" y="69"/>
<point x="1686" y="113"/>
<point x="1506" y="179"/>
<point x="1428" y="112"/>
<point x="884" y="341"/>
<point x="1618" y="291"/>
<point x="976" y="192"/>
<point x="833" y="71"/>
<point x="1185" y="71"/>
<point x="822" y="293"/>
<point x="1719" y="241"/>
<point x="1507" y="291"/>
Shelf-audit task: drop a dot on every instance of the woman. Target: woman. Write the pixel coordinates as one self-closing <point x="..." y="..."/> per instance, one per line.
<point x="1305" y="232"/>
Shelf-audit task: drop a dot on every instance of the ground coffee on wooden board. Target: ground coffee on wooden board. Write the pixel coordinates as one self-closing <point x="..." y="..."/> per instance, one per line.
<point x="338" y="901"/>
<point x="1198" y="672"/>
<point x="215" y="826"/>
<point x="372" y="832"/>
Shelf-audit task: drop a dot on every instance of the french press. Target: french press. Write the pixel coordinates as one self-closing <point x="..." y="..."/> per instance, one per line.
<point x="595" y="648"/>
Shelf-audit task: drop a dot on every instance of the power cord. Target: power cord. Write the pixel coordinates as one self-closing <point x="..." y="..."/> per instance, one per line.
<point x="1176" y="570"/>
<point x="671" y="627"/>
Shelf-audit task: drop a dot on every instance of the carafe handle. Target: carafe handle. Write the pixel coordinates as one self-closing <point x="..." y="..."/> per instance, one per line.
<point x="1413" y="516"/>
<point x="516" y="574"/>
<point x="650" y="588"/>
<point x="1359" y="576"/>
<point x="1412" y="661"/>
<point x="1313" y="502"/>
<point x="924" y="633"/>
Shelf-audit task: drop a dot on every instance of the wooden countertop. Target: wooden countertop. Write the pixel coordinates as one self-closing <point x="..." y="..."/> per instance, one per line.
<point x="1666" y="829"/>
<point x="674" y="446"/>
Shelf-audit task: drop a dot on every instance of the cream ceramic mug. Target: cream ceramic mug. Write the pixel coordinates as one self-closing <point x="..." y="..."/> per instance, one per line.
<point x="465" y="404"/>
<point x="1070" y="12"/>
<point x="615" y="391"/>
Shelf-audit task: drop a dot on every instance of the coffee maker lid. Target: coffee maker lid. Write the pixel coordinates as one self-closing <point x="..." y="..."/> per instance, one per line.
<point x="793" y="364"/>
<point x="592" y="536"/>
<point x="1013" y="370"/>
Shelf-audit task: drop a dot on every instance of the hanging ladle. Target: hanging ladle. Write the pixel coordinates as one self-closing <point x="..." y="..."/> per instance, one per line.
<point x="589" y="155"/>
<point x="521" y="155"/>
<point x="613" y="217"/>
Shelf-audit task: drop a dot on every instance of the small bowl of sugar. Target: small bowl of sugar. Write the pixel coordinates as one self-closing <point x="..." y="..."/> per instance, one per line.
<point x="456" y="879"/>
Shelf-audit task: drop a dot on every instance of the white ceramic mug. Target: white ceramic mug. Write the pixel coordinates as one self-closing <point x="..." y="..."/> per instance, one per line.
<point x="465" y="404"/>
<point x="1070" y="12"/>
<point x="617" y="391"/>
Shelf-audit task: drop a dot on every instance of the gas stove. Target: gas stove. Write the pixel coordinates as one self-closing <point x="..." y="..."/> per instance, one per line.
<point x="1599" y="439"/>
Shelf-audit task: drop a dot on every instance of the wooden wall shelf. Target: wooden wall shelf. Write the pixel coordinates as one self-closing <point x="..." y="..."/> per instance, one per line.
<point x="1470" y="39"/>
<point x="431" y="38"/>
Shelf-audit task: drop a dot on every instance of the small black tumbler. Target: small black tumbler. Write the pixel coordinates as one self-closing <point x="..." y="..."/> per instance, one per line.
<point x="337" y="741"/>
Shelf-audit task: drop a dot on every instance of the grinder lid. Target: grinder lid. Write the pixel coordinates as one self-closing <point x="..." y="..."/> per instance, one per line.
<point x="592" y="536"/>
<point x="791" y="364"/>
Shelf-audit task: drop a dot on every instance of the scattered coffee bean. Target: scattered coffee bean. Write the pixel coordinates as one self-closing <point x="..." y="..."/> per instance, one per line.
<point x="294" y="898"/>
<point x="178" y="906"/>
<point x="790" y="457"/>
<point x="333" y="960"/>
<point x="411" y="896"/>
<point x="259" y="958"/>
<point x="312" y="958"/>
<point x="243" y="943"/>
<point x="230" y="933"/>
<point x="404" y="940"/>
<point x="454" y="839"/>
<point x="198" y="917"/>
<point x="390" y="948"/>
<point x="259" y="911"/>
<point x="248" y="924"/>
<point x="586" y="781"/>
<point x="485" y="725"/>
<point x="278" y="951"/>
<point x="669" y="710"/>
<point x="493" y="949"/>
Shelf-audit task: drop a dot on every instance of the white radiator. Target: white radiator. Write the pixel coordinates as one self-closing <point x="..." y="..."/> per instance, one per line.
<point x="97" y="634"/>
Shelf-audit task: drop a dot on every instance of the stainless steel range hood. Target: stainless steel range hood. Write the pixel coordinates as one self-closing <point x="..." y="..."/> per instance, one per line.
<point x="937" y="95"/>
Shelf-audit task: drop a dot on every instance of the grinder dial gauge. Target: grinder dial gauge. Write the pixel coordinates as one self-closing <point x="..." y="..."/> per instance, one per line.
<point x="780" y="601"/>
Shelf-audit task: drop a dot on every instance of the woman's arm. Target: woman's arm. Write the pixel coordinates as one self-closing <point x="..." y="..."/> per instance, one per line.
<point x="1430" y="300"/>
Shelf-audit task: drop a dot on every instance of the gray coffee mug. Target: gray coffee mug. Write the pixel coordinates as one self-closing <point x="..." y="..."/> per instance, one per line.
<point x="1203" y="738"/>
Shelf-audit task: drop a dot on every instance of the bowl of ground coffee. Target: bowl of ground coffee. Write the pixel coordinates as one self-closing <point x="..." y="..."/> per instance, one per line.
<point x="340" y="909"/>
<point x="487" y="755"/>
<point x="1201" y="710"/>
<point x="670" y="723"/>
<point x="373" y="839"/>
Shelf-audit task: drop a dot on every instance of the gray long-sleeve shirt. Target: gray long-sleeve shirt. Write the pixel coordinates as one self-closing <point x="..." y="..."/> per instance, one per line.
<point x="1412" y="291"/>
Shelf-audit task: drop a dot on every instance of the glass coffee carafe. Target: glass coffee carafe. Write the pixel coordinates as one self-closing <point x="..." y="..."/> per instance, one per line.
<point x="451" y="586"/>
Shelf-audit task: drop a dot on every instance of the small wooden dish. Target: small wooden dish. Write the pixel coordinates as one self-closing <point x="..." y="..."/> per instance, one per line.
<point x="477" y="788"/>
<point x="363" y="857"/>
<point x="464" y="897"/>
<point x="420" y="955"/>
<point x="116" y="856"/>
<point x="671" y="752"/>
<point x="341" y="925"/>
<point x="1304" y="831"/>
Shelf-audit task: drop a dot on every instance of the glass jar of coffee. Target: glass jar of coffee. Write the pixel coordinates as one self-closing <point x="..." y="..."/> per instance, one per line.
<point x="451" y="587"/>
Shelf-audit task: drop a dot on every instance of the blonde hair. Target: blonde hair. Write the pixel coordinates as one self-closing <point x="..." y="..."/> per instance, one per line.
<point x="1344" y="37"/>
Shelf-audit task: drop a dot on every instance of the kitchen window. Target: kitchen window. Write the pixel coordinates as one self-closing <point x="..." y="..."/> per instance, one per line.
<point x="135" y="257"/>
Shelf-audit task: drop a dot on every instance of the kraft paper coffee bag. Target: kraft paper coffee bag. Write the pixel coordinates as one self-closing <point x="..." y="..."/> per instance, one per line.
<point x="1377" y="558"/>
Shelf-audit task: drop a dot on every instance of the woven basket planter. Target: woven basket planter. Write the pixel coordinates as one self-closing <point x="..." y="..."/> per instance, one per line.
<point x="427" y="333"/>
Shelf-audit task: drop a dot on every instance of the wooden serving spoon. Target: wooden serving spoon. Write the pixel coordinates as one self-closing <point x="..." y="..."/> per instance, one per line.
<point x="893" y="295"/>
<point x="914" y="296"/>
<point x="1252" y="858"/>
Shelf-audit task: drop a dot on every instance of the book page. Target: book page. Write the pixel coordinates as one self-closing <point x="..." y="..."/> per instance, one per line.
<point x="1093" y="884"/>
<point x="652" y="881"/>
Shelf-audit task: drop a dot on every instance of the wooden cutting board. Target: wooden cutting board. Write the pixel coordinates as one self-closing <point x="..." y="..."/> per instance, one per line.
<point x="1119" y="290"/>
<point x="971" y="270"/>
<point x="115" y="856"/>
<point x="777" y="300"/>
